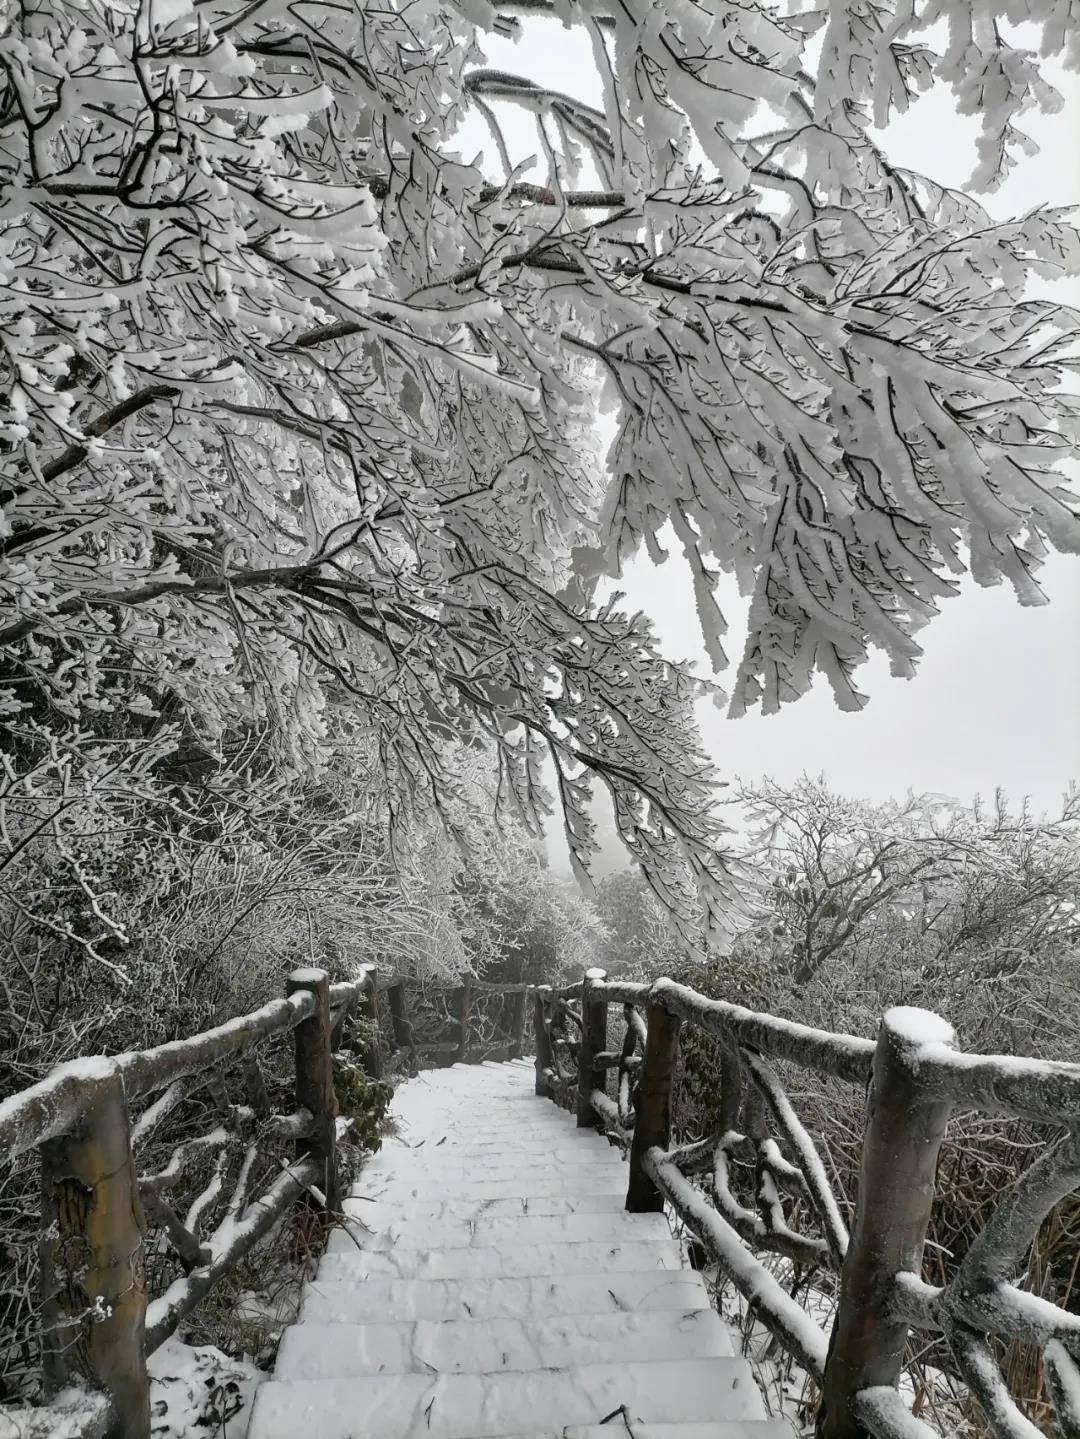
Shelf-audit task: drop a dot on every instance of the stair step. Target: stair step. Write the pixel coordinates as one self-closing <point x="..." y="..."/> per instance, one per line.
<point x="715" y="1429"/>
<point x="526" y="1115"/>
<point x="427" y="1189"/>
<point x="487" y="1231"/>
<point x="506" y="1136"/>
<point x="394" y="1300"/>
<point x="483" y="1406"/>
<point x="376" y="1213"/>
<point x="452" y="1166"/>
<point x="511" y="1261"/>
<point x="472" y="1346"/>
<point x="572" y="1145"/>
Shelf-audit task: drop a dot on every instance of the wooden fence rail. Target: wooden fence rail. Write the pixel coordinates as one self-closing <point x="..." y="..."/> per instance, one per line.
<point x="739" y="1191"/>
<point x="756" y="1188"/>
<point x="98" y="1320"/>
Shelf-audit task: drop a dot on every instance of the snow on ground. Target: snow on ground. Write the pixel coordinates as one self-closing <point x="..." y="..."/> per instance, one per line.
<point x="490" y="1283"/>
<point x="73" y="1414"/>
<point x="200" y="1393"/>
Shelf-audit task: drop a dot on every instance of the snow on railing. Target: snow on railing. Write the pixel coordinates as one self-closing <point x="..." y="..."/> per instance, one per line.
<point x="98" y="1321"/>
<point x="477" y="1035"/>
<point x="915" y="1077"/>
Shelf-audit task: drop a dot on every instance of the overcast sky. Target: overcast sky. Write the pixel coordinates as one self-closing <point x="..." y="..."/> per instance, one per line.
<point x="996" y="699"/>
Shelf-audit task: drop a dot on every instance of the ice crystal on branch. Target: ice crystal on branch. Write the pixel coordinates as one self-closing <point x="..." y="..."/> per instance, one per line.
<point x="297" y="402"/>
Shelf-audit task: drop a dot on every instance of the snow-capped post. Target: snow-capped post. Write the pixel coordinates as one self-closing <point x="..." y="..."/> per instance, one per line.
<point x="593" y="1042"/>
<point x="905" y="1124"/>
<point x="464" y="1003"/>
<point x="315" y="1080"/>
<point x="517" y="1022"/>
<point x="545" y="1059"/>
<point x="93" y="1274"/>
<point x="371" y="1054"/>
<point x="652" y="1122"/>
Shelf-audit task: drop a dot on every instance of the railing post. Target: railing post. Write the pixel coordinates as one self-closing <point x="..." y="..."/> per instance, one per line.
<point x="371" y="1055"/>
<point x="517" y="1023"/>
<point x="399" y="1018"/>
<point x="464" y="1003"/>
<point x="545" y="1059"/>
<point x="904" y="1129"/>
<point x="93" y="1268"/>
<point x="593" y="1042"/>
<point x="315" y="1080"/>
<point x="652" y="1105"/>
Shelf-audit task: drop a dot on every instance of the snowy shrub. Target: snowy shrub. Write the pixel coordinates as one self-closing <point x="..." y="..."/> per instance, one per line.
<point x="971" y="912"/>
<point x="364" y="1100"/>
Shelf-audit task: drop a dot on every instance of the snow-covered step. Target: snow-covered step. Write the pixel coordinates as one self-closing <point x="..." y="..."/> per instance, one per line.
<point x="476" y="1346"/>
<point x="394" y="1188"/>
<point x="489" y="1281"/>
<point x="497" y="1166"/>
<point x="511" y="1261"/>
<point x="483" y="1406"/>
<point x="377" y="1213"/>
<point x="395" y="1300"/>
<point x="522" y="1116"/>
<point x="486" y="1231"/>
<point x="717" y="1429"/>
<point x="593" y="1174"/>
<point x="504" y="1136"/>
<point x="570" y="1145"/>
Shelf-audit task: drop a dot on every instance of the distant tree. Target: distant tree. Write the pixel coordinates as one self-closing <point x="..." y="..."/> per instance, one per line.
<point x="641" y="940"/>
<point x="294" y="398"/>
<point x="971" y="911"/>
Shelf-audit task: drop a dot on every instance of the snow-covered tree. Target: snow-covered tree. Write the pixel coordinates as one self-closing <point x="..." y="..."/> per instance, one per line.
<point x="970" y="910"/>
<point x="295" y="398"/>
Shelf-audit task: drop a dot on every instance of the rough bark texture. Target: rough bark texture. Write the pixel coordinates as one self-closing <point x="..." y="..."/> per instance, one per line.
<point x="464" y="1004"/>
<point x="93" y="1272"/>
<point x="904" y="1130"/>
<point x="371" y="1054"/>
<point x="231" y="1242"/>
<point x="652" y="1125"/>
<point x="591" y="1077"/>
<point x="844" y="1055"/>
<point x="517" y="1023"/>
<point x="545" y="1058"/>
<point x="399" y="1018"/>
<point x="315" y="1081"/>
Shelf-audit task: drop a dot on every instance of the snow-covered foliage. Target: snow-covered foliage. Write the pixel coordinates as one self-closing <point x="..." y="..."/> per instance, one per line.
<point x="969" y="910"/>
<point x="197" y="1391"/>
<point x="295" y="400"/>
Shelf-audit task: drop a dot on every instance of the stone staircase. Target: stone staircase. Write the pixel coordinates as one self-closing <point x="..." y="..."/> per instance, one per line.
<point x="490" y="1284"/>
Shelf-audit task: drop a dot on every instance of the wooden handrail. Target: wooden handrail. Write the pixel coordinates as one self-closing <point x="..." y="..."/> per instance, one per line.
<point x="55" y="1104"/>
<point x="98" y="1324"/>
<point x="915" y="1076"/>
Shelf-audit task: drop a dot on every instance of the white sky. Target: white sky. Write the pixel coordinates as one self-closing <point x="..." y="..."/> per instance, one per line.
<point x="996" y="699"/>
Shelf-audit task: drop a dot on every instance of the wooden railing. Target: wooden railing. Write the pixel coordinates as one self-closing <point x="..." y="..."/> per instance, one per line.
<point x="740" y="1190"/>
<point x="98" y="1321"/>
<point x="464" y="1000"/>
<point x="92" y="1120"/>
